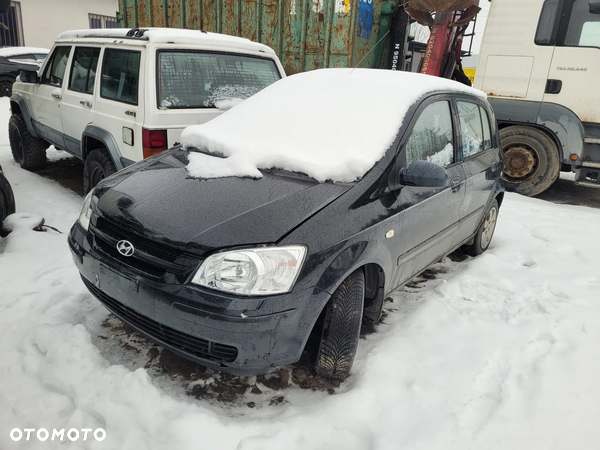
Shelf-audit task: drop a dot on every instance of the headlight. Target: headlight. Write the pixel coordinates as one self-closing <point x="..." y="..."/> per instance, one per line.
<point x="258" y="271"/>
<point x="86" y="212"/>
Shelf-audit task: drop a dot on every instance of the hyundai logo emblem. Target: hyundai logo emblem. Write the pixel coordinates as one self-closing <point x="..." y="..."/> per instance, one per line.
<point x="125" y="248"/>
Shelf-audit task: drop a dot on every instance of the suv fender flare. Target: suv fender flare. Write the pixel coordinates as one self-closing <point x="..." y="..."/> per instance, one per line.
<point x="107" y="139"/>
<point x="24" y="111"/>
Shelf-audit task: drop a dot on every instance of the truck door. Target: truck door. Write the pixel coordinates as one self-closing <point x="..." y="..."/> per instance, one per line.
<point x="575" y="69"/>
<point x="47" y="97"/>
<point x="78" y="97"/>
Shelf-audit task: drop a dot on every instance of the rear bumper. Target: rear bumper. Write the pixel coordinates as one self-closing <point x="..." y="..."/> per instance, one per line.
<point x="237" y="335"/>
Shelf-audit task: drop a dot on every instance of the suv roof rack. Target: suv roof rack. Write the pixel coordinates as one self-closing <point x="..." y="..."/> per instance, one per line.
<point x="137" y="32"/>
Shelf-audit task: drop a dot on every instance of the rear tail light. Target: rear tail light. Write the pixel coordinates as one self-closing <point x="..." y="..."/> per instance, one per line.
<point x="153" y="141"/>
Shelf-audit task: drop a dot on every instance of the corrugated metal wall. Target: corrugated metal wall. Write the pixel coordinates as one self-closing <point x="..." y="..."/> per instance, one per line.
<point x="306" y="34"/>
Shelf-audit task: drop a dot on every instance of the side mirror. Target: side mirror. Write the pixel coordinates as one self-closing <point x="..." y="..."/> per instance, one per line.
<point x="424" y="174"/>
<point x="29" y="76"/>
<point x="595" y="6"/>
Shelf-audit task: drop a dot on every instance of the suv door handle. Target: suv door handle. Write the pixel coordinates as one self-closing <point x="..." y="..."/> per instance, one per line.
<point x="85" y="103"/>
<point x="455" y="184"/>
<point x="56" y="95"/>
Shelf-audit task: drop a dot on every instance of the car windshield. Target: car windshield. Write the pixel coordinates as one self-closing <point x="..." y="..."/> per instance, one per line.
<point x="191" y="79"/>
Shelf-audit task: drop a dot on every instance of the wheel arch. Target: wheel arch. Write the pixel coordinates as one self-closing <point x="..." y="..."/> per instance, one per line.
<point x="94" y="138"/>
<point x="18" y="105"/>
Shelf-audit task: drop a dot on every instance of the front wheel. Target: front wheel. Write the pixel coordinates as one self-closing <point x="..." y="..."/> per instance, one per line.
<point x="98" y="165"/>
<point x="531" y="160"/>
<point x="484" y="234"/>
<point x="29" y="152"/>
<point x="341" y="328"/>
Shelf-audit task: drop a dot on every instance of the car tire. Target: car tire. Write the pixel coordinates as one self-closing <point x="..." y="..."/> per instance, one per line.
<point x="341" y="328"/>
<point x="6" y="83"/>
<point x="485" y="232"/>
<point x="7" y="199"/>
<point x="531" y="160"/>
<point x="28" y="151"/>
<point x="98" y="165"/>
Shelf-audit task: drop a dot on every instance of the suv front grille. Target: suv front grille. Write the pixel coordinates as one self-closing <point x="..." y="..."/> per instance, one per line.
<point x="192" y="345"/>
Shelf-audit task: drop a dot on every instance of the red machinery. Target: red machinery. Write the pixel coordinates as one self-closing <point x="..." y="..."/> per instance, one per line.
<point x="448" y="21"/>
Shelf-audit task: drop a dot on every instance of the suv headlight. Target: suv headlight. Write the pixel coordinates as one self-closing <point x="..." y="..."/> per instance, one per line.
<point x="86" y="212"/>
<point x="257" y="271"/>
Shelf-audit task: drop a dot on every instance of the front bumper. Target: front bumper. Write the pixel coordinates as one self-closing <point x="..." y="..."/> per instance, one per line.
<point x="238" y="335"/>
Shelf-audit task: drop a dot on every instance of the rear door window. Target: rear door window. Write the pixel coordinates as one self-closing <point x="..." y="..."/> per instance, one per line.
<point x="57" y="66"/>
<point x="188" y="79"/>
<point x="83" y="69"/>
<point x="120" y="75"/>
<point x="471" y="128"/>
<point x="432" y="138"/>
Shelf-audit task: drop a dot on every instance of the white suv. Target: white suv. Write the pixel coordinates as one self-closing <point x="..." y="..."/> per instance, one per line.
<point x="151" y="84"/>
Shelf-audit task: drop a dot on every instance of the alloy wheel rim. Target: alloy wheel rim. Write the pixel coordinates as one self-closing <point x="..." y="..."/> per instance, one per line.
<point x="489" y="224"/>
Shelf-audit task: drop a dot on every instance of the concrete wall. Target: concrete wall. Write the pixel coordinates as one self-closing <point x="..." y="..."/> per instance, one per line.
<point x="43" y="20"/>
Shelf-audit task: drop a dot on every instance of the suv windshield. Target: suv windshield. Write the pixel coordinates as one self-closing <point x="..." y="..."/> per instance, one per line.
<point x="188" y="79"/>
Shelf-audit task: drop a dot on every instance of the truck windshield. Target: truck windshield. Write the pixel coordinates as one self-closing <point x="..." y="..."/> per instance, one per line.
<point x="584" y="26"/>
<point x="191" y="79"/>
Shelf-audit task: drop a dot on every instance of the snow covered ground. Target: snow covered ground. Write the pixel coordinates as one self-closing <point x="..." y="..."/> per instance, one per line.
<point x="497" y="352"/>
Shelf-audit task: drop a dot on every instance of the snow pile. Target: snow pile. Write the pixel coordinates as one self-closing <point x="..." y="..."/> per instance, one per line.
<point x="331" y="124"/>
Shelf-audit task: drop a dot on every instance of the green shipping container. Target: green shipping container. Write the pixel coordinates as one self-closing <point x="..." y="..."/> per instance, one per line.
<point x="306" y="34"/>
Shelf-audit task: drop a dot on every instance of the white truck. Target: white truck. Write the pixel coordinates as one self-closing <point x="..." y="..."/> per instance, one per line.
<point x="540" y="66"/>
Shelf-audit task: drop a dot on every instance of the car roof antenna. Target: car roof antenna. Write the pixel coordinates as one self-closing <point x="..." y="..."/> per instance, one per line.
<point x="369" y="52"/>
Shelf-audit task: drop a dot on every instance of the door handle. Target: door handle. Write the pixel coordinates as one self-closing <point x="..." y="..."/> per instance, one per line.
<point x="455" y="184"/>
<point x="553" y="86"/>
<point x="56" y="95"/>
<point x="85" y="103"/>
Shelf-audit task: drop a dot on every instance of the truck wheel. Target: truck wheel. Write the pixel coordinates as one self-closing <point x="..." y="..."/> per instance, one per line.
<point x="98" y="165"/>
<point x="341" y="328"/>
<point x="28" y="151"/>
<point x="531" y="160"/>
<point x="484" y="234"/>
<point x="7" y="200"/>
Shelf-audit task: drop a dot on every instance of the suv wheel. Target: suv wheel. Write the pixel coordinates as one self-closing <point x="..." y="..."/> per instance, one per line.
<point x="98" y="166"/>
<point x="28" y="151"/>
<point x="341" y="328"/>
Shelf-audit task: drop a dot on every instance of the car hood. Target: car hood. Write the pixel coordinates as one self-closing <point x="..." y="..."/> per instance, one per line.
<point x="161" y="201"/>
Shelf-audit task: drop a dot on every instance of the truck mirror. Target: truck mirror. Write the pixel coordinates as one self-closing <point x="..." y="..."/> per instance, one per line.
<point x="595" y="6"/>
<point x="29" y="76"/>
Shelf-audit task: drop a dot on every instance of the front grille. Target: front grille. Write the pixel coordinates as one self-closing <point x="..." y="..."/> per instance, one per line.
<point x="141" y="243"/>
<point x="189" y="344"/>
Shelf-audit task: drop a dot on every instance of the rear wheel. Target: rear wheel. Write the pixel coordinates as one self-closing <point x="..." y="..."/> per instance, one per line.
<point x="341" y="328"/>
<point x="484" y="234"/>
<point x="28" y="151"/>
<point x="7" y="201"/>
<point x="531" y="160"/>
<point x="98" y="165"/>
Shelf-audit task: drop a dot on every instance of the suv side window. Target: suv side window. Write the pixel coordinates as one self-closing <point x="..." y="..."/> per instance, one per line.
<point x="432" y="137"/>
<point x="55" y="70"/>
<point x="120" y="75"/>
<point x="471" y="128"/>
<point x="83" y="69"/>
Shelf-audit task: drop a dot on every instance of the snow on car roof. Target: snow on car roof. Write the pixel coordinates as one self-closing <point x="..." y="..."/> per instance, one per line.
<point x="332" y="124"/>
<point x="170" y="35"/>
<point x="15" y="51"/>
